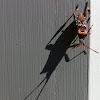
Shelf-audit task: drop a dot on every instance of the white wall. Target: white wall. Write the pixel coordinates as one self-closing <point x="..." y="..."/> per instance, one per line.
<point x="94" y="68"/>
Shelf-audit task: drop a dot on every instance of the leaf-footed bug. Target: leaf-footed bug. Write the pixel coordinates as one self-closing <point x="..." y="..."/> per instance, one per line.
<point x="82" y="32"/>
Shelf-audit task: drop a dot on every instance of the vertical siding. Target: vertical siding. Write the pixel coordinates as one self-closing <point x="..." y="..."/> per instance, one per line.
<point x="26" y="27"/>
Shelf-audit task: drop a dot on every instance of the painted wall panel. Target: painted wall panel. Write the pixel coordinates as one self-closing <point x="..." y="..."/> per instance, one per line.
<point x="32" y="42"/>
<point x="94" y="61"/>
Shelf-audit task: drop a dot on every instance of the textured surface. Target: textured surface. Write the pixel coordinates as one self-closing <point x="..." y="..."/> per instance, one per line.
<point x="26" y="27"/>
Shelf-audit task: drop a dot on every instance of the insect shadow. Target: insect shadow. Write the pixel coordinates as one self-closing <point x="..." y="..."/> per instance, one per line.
<point x="57" y="52"/>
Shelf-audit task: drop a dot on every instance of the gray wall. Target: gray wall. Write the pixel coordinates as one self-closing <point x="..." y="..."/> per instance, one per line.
<point x="26" y="28"/>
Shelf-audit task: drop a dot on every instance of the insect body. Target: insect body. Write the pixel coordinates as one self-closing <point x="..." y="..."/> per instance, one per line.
<point x="81" y="23"/>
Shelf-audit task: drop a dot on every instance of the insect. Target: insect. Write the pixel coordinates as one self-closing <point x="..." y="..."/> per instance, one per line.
<point x="81" y="23"/>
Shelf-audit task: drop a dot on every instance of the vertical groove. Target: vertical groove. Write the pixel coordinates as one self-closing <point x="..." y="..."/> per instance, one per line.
<point x="25" y="30"/>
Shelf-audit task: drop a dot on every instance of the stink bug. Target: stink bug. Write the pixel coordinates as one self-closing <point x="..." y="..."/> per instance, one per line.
<point x="82" y="32"/>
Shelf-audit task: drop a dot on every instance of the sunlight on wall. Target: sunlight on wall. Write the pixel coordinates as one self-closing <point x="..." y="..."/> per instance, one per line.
<point x="94" y="68"/>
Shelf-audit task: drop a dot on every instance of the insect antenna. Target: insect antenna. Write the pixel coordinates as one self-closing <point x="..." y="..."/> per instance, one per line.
<point x="90" y="48"/>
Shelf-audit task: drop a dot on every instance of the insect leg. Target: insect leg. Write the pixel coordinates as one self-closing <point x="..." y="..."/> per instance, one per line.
<point x="76" y="46"/>
<point x="80" y="43"/>
<point x="84" y="50"/>
<point x="90" y="48"/>
<point x="77" y="8"/>
<point x="88" y="9"/>
<point x="89" y="30"/>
